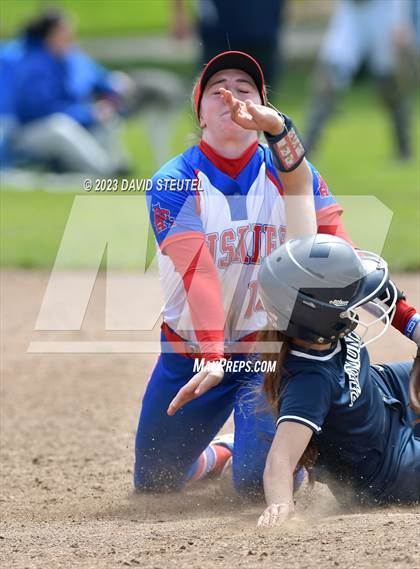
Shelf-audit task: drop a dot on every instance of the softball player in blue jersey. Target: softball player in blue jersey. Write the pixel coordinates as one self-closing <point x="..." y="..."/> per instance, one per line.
<point x="347" y="421"/>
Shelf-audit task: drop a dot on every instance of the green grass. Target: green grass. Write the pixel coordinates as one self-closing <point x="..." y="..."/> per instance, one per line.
<point x="125" y="17"/>
<point x="357" y="160"/>
<point x="354" y="158"/>
<point x="94" y="17"/>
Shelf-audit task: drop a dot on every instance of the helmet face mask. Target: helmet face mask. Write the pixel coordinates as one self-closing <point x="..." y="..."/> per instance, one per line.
<point x="385" y="310"/>
<point x="311" y="289"/>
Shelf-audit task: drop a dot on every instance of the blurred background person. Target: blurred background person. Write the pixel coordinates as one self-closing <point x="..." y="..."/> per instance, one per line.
<point x="64" y="106"/>
<point x="379" y="33"/>
<point x="9" y="56"/>
<point x="240" y="25"/>
<point x="62" y="110"/>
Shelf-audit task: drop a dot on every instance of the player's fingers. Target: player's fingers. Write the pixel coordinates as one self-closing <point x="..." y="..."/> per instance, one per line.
<point x="177" y="402"/>
<point x="252" y="108"/>
<point x="235" y="108"/>
<point x="208" y="382"/>
<point x="182" y="397"/>
<point x="263" y="520"/>
<point x="226" y="96"/>
<point x="252" y="112"/>
<point x="186" y="393"/>
<point x="260" y="522"/>
<point x="274" y="514"/>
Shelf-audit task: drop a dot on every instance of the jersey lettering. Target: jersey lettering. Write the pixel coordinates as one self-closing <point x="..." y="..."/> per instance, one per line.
<point x="255" y="303"/>
<point x="228" y="246"/>
<point x="211" y="239"/>
<point x="256" y="258"/>
<point x="270" y="239"/>
<point x="234" y="244"/>
<point x="352" y="366"/>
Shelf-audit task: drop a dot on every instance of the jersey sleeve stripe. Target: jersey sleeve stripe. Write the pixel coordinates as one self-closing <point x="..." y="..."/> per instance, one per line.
<point x="318" y="358"/>
<point x="330" y="209"/>
<point x="296" y="419"/>
<point x="329" y="221"/>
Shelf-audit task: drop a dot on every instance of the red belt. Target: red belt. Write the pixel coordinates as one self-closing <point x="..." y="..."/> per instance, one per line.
<point x="192" y="350"/>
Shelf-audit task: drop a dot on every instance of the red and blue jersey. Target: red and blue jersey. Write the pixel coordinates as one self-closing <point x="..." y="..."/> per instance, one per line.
<point x="241" y="219"/>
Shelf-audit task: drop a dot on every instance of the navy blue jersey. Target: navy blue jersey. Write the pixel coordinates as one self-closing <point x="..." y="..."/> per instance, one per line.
<point x="361" y="436"/>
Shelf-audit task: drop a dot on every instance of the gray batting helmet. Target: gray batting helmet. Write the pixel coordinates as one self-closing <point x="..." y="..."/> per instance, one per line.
<point x="311" y="286"/>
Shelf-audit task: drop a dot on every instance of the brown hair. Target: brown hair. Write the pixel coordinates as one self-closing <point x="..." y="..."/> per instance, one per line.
<point x="274" y="384"/>
<point x="196" y="135"/>
<point x="194" y="95"/>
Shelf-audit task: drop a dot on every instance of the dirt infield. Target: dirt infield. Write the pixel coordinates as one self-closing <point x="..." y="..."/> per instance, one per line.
<point x="68" y="424"/>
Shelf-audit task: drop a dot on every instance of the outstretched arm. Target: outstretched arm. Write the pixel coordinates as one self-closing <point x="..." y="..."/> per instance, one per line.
<point x="297" y="182"/>
<point x="193" y="261"/>
<point x="289" y="444"/>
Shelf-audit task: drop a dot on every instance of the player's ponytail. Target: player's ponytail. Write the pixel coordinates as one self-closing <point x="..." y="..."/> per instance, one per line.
<point x="273" y="387"/>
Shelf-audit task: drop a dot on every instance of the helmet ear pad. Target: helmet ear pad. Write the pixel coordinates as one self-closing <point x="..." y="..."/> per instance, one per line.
<point x="304" y="316"/>
<point x="318" y="322"/>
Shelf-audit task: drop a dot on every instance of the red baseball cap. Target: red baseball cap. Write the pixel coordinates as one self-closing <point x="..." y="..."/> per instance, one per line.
<point x="230" y="60"/>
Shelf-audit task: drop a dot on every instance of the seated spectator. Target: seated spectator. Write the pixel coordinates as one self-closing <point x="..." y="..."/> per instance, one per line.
<point x="10" y="54"/>
<point x="57" y="106"/>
